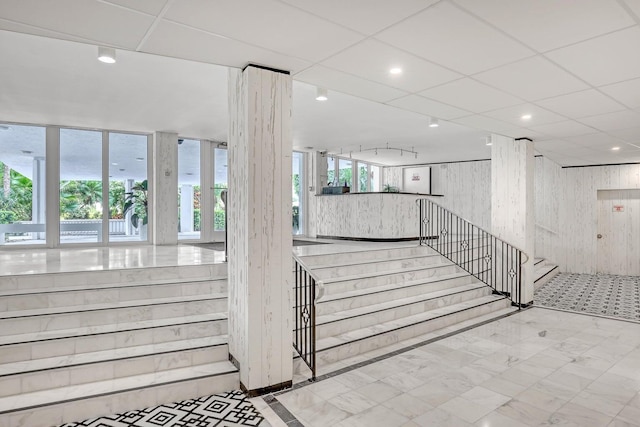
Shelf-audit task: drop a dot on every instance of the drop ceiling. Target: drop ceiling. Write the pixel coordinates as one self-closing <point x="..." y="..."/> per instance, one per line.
<point x="477" y="66"/>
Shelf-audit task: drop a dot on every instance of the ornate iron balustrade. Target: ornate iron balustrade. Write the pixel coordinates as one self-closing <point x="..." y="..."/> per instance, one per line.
<point x="490" y="259"/>
<point x="308" y="290"/>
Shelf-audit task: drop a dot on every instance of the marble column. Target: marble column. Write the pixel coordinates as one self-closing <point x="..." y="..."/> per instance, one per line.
<point x="259" y="228"/>
<point x="38" y="198"/>
<point x="164" y="189"/>
<point x="512" y="205"/>
<point x="186" y="208"/>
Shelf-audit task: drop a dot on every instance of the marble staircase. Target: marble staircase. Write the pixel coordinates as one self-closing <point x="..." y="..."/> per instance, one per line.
<point x="76" y="345"/>
<point x="379" y="299"/>
<point x="544" y="271"/>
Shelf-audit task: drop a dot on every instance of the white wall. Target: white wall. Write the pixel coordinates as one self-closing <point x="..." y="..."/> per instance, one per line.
<point x="548" y="187"/>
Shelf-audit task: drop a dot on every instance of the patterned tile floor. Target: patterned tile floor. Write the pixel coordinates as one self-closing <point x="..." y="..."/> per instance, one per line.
<point x="222" y="410"/>
<point x="602" y="294"/>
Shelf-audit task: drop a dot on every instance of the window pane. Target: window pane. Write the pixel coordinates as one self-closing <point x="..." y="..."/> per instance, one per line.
<point x="362" y="177"/>
<point x="22" y="196"/>
<point x="219" y="183"/>
<point x="80" y="186"/>
<point x="188" y="189"/>
<point x="331" y="171"/>
<point x="345" y="173"/>
<point x="375" y="178"/>
<point x="296" y="192"/>
<point x="128" y="210"/>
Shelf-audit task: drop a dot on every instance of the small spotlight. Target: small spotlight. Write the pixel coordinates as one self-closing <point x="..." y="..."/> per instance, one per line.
<point x="487" y="140"/>
<point x="395" y="70"/>
<point x="322" y="94"/>
<point x="526" y="117"/>
<point x="106" y="55"/>
<point x="433" y="122"/>
<point x="615" y="148"/>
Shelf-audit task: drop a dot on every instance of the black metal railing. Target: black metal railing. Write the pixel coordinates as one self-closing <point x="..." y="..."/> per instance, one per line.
<point x="308" y="290"/>
<point x="485" y="256"/>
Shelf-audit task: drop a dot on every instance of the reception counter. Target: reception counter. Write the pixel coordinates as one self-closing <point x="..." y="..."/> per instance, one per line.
<point x="369" y="216"/>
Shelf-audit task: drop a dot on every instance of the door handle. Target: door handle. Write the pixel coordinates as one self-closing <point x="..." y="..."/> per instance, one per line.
<point x="599" y="236"/>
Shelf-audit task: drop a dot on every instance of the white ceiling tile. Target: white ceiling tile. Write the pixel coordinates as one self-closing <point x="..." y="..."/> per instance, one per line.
<point x="581" y="104"/>
<point x="347" y="83"/>
<point x="629" y="135"/>
<point x="606" y="59"/>
<point x="372" y="60"/>
<point x="152" y="7"/>
<point x="548" y="24"/>
<point x="448" y="36"/>
<point x="429" y="107"/>
<point x="552" y="145"/>
<point x="471" y="95"/>
<point x="514" y="115"/>
<point x="271" y="24"/>
<point x="27" y="29"/>
<point x="485" y="123"/>
<point x="613" y="121"/>
<point x="101" y="22"/>
<point x="169" y="39"/>
<point x="595" y="140"/>
<point x="634" y="5"/>
<point x="532" y="78"/>
<point x="365" y="16"/>
<point x="627" y="92"/>
<point x="563" y="129"/>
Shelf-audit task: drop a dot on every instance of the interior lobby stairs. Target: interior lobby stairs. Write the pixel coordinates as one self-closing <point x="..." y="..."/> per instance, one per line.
<point x="378" y="301"/>
<point x="544" y="271"/>
<point x="75" y="345"/>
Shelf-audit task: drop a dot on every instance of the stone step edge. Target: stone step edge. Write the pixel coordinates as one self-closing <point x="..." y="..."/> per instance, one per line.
<point x="372" y="274"/>
<point x="401" y="302"/>
<point x="359" y="250"/>
<point x="34" y="337"/>
<point x="38" y="399"/>
<point x="410" y="321"/>
<point x="537" y="261"/>
<point x="372" y="261"/>
<point x="547" y="270"/>
<point x="112" y="355"/>
<point x="6" y="315"/>
<point x="393" y="286"/>
<point x="104" y="286"/>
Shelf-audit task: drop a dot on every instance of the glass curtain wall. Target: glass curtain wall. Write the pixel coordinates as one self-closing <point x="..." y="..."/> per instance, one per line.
<point x="374" y="178"/>
<point x="80" y="186"/>
<point x="128" y="187"/>
<point x="23" y="193"/>
<point x="188" y="189"/>
<point x="345" y="173"/>
<point x="362" y="177"/>
<point x="220" y="183"/>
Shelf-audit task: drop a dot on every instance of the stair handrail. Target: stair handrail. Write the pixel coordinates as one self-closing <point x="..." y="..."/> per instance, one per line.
<point x="308" y="290"/>
<point x="491" y="260"/>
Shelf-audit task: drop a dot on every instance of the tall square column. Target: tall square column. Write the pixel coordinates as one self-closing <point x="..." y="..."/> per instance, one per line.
<point x="512" y="209"/>
<point x="259" y="228"/>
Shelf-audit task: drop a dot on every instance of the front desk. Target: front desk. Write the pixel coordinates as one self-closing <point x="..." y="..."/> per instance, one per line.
<point x="369" y="216"/>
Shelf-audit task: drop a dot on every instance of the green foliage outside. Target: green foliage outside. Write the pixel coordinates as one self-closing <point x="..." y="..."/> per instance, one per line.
<point x="362" y="185"/>
<point x="80" y="199"/>
<point x="16" y="204"/>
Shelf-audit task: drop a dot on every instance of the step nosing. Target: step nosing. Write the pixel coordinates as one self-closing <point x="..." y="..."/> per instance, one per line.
<point x="331" y="280"/>
<point x="372" y="261"/>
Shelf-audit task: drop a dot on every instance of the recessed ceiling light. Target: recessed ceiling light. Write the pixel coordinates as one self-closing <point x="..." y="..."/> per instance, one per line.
<point x="322" y="94"/>
<point x="526" y="117"/>
<point x="433" y="122"/>
<point x="139" y="159"/>
<point x="106" y="55"/>
<point x="487" y="140"/>
<point x="395" y="70"/>
<point x="114" y="163"/>
<point x="189" y="173"/>
<point x="615" y="148"/>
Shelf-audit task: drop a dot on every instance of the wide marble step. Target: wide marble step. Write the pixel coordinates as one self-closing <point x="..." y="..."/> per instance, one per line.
<point x="543" y="273"/>
<point x="31" y="299"/>
<point x="137" y="276"/>
<point x="369" y="268"/>
<point x="343" y="346"/>
<point x="361" y="317"/>
<point x="38" y="320"/>
<point x="78" y="402"/>
<point x="67" y="342"/>
<point x="358" y="255"/>
<point x="81" y="368"/>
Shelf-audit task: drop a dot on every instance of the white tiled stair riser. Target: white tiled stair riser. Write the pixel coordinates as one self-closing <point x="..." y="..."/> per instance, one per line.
<point x="78" y="319"/>
<point x="361" y="321"/>
<point x="348" y="349"/>
<point x="97" y="278"/>
<point x="54" y="298"/>
<point x="106" y="370"/>
<point x="359" y="256"/>
<point x="336" y="286"/>
<point x="378" y="266"/>
<point x="96" y="405"/>
<point x="418" y="288"/>
<point x="43" y="346"/>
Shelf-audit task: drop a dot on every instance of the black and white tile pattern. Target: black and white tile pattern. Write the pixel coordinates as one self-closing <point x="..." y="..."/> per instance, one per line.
<point x="231" y="409"/>
<point x="602" y="294"/>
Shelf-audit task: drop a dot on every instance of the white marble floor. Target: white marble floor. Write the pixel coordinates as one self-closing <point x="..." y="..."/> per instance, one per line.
<point x="38" y="261"/>
<point x="536" y="368"/>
